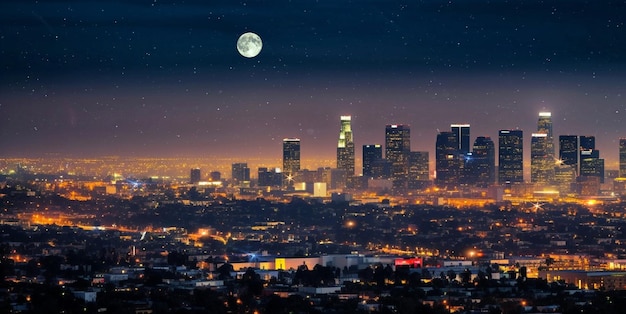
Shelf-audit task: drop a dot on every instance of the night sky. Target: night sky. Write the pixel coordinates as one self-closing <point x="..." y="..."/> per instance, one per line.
<point x="164" y="78"/>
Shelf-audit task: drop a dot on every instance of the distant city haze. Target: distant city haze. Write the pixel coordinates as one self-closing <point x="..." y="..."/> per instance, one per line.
<point x="165" y="79"/>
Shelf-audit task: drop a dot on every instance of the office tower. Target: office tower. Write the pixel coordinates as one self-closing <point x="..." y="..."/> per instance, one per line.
<point x="240" y="172"/>
<point x="482" y="163"/>
<point x="541" y="162"/>
<point x="568" y="150"/>
<point x="462" y="132"/>
<point x="345" y="147"/>
<point x="510" y="156"/>
<point x="447" y="161"/>
<point x="591" y="165"/>
<point x="587" y="142"/>
<point x="397" y="148"/>
<point x="622" y="157"/>
<point x="544" y="125"/>
<point x="291" y="159"/>
<point x="589" y="162"/>
<point x="564" y="178"/>
<point x="418" y="170"/>
<point x="194" y="176"/>
<point x="371" y="154"/>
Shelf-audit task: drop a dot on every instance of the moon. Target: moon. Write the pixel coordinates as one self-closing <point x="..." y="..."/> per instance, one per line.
<point x="249" y="45"/>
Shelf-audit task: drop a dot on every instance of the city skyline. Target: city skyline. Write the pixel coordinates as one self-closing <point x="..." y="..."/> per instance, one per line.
<point x="165" y="79"/>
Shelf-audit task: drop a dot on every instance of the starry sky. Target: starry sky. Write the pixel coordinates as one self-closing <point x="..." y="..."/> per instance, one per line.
<point x="164" y="78"/>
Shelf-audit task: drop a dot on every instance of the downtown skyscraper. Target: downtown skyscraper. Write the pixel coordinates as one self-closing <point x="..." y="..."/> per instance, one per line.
<point x="372" y="154"/>
<point x="542" y="161"/>
<point x="544" y="125"/>
<point x="397" y="149"/>
<point x="345" y="147"/>
<point x="462" y="132"/>
<point x="510" y="156"/>
<point x="482" y="163"/>
<point x="447" y="161"/>
<point x="622" y="157"/>
<point x="291" y="160"/>
<point x="568" y="150"/>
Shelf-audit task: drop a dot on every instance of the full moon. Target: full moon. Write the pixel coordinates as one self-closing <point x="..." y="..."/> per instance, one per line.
<point x="249" y="45"/>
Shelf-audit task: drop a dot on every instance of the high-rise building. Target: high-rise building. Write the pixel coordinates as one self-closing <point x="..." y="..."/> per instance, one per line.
<point x="371" y="154"/>
<point x="591" y="165"/>
<point x="568" y="150"/>
<point x="447" y="161"/>
<point x="587" y="142"/>
<point x="419" y="176"/>
<point x="544" y="158"/>
<point x="622" y="157"/>
<point x="589" y="162"/>
<point x="541" y="162"/>
<point x="291" y="159"/>
<point x="510" y="156"/>
<point x="564" y="178"/>
<point x="544" y="125"/>
<point x="397" y="148"/>
<point x="345" y="147"/>
<point x="482" y="163"/>
<point x="462" y="132"/>
<point x="194" y="176"/>
<point x="240" y="172"/>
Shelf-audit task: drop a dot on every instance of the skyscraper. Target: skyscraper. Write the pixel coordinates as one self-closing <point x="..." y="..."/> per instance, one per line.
<point x="568" y="150"/>
<point x="240" y="172"/>
<point x="371" y="154"/>
<point x="587" y="142"/>
<point x="291" y="159"/>
<point x="418" y="170"/>
<point x="345" y="147"/>
<point x="589" y="161"/>
<point x="447" y="161"/>
<point x="483" y="161"/>
<point x="462" y="132"/>
<point x="397" y="148"/>
<point x="510" y="156"/>
<point x="544" y="125"/>
<point x="541" y="162"/>
<point x="622" y="157"/>
<point x="543" y="154"/>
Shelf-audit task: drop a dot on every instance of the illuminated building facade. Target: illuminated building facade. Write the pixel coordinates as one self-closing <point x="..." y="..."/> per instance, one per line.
<point x="544" y="125"/>
<point x="291" y="159"/>
<point x="371" y="154"/>
<point x="589" y="162"/>
<point x="568" y="150"/>
<point x="345" y="147"/>
<point x="418" y="170"/>
<point x="564" y="178"/>
<point x="482" y="163"/>
<point x="462" y="132"/>
<point x="510" y="156"/>
<point x="622" y="157"/>
<point x="541" y="162"/>
<point x="397" y="148"/>
<point x="447" y="160"/>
